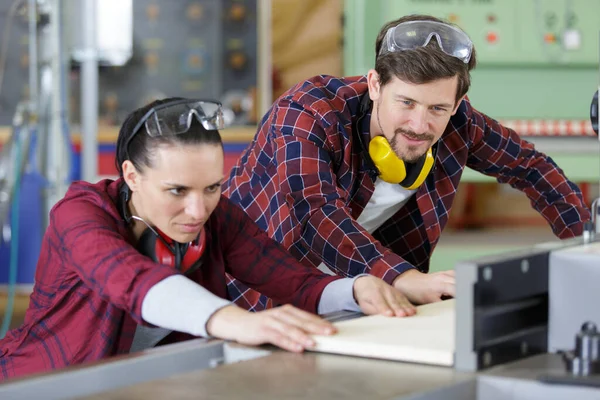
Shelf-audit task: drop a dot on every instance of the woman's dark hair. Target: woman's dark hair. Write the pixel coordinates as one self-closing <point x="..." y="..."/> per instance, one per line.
<point x="142" y="147"/>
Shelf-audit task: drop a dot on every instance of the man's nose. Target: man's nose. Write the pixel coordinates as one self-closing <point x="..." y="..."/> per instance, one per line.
<point x="419" y="121"/>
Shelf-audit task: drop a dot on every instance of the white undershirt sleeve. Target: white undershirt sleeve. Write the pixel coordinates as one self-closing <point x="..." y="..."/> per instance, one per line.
<point x="180" y="304"/>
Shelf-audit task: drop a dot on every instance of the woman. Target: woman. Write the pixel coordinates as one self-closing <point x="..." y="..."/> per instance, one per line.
<point x="129" y="264"/>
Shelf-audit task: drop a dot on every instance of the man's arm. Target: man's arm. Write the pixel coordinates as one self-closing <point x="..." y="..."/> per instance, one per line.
<point x="308" y="182"/>
<point x="263" y="264"/>
<point x="500" y="152"/>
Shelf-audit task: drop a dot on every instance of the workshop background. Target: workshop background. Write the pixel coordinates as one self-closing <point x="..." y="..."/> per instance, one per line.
<point x="537" y="73"/>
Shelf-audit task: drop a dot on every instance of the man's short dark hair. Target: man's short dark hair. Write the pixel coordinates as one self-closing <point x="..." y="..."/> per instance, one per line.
<point x="423" y="64"/>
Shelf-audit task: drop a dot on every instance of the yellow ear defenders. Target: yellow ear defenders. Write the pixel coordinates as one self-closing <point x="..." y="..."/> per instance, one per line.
<point x="391" y="169"/>
<point x="394" y="170"/>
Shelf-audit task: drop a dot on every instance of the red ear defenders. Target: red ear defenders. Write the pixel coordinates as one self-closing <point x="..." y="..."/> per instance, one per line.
<point x="164" y="250"/>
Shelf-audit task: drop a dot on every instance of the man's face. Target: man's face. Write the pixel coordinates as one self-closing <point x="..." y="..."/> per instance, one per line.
<point x="411" y="117"/>
<point x="181" y="189"/>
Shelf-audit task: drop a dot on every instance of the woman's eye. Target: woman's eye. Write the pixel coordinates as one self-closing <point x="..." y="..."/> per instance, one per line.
<point x="176" y="191"/>
<point x="213" y="188"/>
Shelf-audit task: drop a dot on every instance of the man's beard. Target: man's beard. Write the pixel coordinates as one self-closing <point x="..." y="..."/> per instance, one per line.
<point x="410" y="154"/>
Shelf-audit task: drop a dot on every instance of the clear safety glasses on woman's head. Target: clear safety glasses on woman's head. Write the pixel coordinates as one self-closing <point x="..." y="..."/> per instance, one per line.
<point x="174" y="118"/>
<point x="413" y="34"/>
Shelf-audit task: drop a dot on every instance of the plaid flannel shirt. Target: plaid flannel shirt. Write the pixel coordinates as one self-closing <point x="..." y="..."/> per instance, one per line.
<point x="305" y="181"/>
<point x="90" y="280"/>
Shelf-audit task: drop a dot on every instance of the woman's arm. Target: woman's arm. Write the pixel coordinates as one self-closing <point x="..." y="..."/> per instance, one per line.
<point x="89" y="245"/>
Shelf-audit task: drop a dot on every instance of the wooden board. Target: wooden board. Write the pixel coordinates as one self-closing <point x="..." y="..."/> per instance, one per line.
<point x="427" y="337"/>
<point x="589" y="248"/>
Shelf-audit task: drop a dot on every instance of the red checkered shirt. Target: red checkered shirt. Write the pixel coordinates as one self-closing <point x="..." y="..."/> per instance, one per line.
<point x="305" y="181"/>
<point x="90" y="280"/>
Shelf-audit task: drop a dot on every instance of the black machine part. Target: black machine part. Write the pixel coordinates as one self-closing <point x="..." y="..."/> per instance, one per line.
<point x="585" y="359"/>
<point x="594" y="112"/>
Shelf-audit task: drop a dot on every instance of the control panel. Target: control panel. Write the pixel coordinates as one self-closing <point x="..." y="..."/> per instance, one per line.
<point x="518" y="32"/>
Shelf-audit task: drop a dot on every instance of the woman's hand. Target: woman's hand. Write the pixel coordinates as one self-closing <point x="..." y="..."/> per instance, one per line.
<point x="375" y="296"/>
<point x="287" y="327"/>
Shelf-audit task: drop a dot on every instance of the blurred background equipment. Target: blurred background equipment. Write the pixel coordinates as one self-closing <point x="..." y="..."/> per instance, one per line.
<point x="112" y="29"/>
<point x="199" y="49"/>
<point x="36" y="164"/>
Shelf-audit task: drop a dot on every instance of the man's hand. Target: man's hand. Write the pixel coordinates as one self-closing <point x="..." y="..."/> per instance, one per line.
<point x="423" y="288"/>
<point x="287" y="327"/>
<point x="374" y="296"/>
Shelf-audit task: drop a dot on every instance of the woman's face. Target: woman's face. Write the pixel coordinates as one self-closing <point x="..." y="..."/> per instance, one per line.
<point x="180" y="190"/>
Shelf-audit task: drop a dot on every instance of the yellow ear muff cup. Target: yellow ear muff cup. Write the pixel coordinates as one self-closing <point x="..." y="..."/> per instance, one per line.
<point x="426" y="166"/>
<point x="391" y="168"/>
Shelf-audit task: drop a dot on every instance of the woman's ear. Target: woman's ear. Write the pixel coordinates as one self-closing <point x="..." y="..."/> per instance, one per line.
<point x="131" y="176"/>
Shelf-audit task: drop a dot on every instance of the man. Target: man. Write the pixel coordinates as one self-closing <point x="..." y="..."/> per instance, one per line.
<point x="359" y="174"/>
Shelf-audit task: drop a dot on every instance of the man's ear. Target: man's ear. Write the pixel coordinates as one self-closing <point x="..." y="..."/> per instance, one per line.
<point x="374" y="85"/>
<point x="131" y="176"/>
<point x="458" y="104"/>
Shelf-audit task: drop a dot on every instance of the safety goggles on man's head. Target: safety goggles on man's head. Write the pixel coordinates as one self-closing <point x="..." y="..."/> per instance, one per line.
<point x="413" y="34"/>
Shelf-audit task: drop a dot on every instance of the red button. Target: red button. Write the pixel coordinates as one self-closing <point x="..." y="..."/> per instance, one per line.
<point x="492" y="37"/>
<point x="549" y="38"/>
